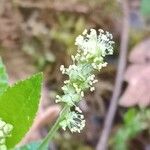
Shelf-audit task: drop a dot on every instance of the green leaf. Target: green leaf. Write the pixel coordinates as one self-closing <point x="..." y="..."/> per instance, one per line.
<point x="145" y="7"/>
<point x="18" y="106"/>
<point x="3" y="78"/>
<point x="130" y="115"/>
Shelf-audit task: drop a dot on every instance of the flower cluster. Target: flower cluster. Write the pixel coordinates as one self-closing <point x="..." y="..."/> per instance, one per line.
<point x="74" y="121"/>
<point x="92" y="48"/>
<point x="5" y="131"/>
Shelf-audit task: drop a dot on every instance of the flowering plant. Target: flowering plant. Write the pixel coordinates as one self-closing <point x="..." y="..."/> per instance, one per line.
<point x="18" y="107"/>
<point x="92" y="48"/>
<point x="5" y="130"/>
<point x="19" y="102"/>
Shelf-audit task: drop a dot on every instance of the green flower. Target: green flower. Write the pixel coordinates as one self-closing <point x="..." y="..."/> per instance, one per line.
<point x="94" y="44"/>
<point x="74" y="121"/>
<point x="92" y="48"/>
<point x="5" y="131"/>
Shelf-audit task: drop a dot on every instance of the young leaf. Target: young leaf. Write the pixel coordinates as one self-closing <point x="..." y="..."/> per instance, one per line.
<point x="3" y="78"/>
<point x="18" y="106"/>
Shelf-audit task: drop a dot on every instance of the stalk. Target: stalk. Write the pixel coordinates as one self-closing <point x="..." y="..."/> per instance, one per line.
<point x="54" y="129"/>
<point x="92" y="48"/>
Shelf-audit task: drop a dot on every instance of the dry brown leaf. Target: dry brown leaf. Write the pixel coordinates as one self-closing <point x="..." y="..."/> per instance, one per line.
<point x="141" y="52"/>
<point x="138" y="77"/>
<point x="138" y="90"/>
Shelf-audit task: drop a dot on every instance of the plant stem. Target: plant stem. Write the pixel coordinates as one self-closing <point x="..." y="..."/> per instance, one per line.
<point x="54" y="129"/>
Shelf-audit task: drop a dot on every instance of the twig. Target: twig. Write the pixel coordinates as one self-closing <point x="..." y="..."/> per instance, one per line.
<point x="102" y="144"/>
<point x="54" y="129"/>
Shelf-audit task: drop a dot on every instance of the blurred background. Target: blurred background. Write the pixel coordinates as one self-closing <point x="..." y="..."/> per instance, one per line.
<point x="39" y="35"/>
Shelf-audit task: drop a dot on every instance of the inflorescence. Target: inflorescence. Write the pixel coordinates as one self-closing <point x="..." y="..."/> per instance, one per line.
<point x="92" y="48"/>
<point x="5" y="131"/>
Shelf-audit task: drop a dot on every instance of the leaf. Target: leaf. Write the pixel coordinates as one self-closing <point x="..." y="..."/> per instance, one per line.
<point x="145" y="7"/>
<point x="141" y="53"/>
<point x="130" y="115"/>
<point x="138" y="77"/>
<point x="135" y="121"/>
<point x="3" y="78"/>
<point x="18" y="106"/>
<point x="137" y="92"/>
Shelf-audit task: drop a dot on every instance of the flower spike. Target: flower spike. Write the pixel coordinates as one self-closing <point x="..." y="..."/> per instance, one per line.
<point x="92" y="46"/>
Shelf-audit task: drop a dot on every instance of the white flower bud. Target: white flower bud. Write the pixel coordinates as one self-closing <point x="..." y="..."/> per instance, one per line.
<point x="92" y="89"/>
<point x="7" y="128"/>
<point x="62" y="69"/>
<point x="2" y="124"/>
<point x="2" y="141"/>
<point x="1" y="134"/>
<point x="74" y="121"/>
<point x="84" y="32"/>
<point x="5" y="131"/>
<point x="78" y="109"/>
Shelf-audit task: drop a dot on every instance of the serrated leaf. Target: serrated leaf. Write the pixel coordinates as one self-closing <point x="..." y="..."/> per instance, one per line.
<point x="3" y="78"/>
<point x="18" y="106"/>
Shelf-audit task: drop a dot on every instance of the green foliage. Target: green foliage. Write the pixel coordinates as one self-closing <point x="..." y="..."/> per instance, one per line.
<point x="92" y="48"/>
<point x="34" y="46"/>
<point x="18" y="106"/>
<point x="89" y="58"/>
<point x="145" y="7"/>
<point x="3" y="78"/>
<point x="135" y="121"/>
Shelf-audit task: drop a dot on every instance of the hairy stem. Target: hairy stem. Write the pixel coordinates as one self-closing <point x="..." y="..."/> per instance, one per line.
<point x="54" y="129"/>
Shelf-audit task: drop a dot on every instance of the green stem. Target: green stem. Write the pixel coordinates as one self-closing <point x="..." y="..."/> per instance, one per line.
<point x="54" y="129"/>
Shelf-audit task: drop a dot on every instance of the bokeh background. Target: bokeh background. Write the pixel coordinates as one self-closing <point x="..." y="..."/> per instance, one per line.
<point x="39" y="35"/>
